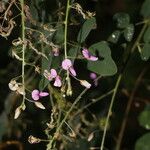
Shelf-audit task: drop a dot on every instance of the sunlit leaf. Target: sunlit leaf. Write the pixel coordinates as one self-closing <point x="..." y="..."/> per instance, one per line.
<point x="128" y="32"/>
<point x="143" y="142"/>
<point x="144" y="118"/>
<point x="114" y="37"/>
<point x="145" y="52"/>
<point x="122" y="19"/>
<point x="86" y="28"/>
<point x="105" y="66"/>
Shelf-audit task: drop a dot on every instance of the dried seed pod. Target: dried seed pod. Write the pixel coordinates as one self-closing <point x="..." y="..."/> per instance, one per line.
<point x="33" y="140"/>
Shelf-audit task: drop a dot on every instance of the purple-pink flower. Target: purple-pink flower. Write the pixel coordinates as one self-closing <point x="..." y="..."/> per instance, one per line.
<point x="86" y="54"/>
<point x="93" y="75"/>
<point x="53" y="75"/>
<point x="36" y="94"/>
<point x="57" y="82"/>
<point x="67" y="65"/>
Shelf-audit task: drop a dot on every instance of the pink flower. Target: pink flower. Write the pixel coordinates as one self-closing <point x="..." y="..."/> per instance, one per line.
<point x="50" y="75"/>
<point x="36" y="94"/>
<point x="86" y="54"/>
<point x="93" y="75"/>
<point x="67" y="65"/>
<point x="53" y="75"/>
<point x="57" y="82"/>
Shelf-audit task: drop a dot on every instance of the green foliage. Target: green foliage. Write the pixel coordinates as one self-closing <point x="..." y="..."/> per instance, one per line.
<point x="85" y="29"/>
<point x="144" y="118"/>
<point x="73" y="53"/>
<point x="59" y="35"/>
<point x="128" y="32"/>
<point x="114" y="37"/>
<point x="145" y="52"/>
<point x="146" y="36"/>
<point x="122" y="20"/>
<point x="125" y="28"/>
<point x="106" y="66"/>
<point x="145" y="11"/>
<point x="143" y="142"/>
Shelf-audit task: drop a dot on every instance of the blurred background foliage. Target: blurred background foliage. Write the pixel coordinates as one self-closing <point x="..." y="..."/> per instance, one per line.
<point x="117" y="21"/>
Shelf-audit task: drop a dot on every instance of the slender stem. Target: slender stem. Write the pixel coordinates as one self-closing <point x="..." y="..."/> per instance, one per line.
<point x="66" y="27"/>
<point x="93" y="102"/>
<point x="123" y="125"/>
<point x="66" y="116"/>
<point x="139" y="37"/>
<point x="120" y="136"/>
<point x="110" y="111"/>
<point x="23" y="47"/>
<point x="69" y="89"/>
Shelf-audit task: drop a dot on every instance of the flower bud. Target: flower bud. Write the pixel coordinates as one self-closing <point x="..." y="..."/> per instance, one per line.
<point x="17" y="112"/>
<point x="33" y="140"/>
<point x="85" y="83"/>
<point x="39" y="105"/>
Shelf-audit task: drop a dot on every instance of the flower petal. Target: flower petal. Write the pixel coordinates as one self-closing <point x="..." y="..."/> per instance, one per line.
<point x="43" y="94"/>
<point x="72" y="71"/>
<point x="53" y="73"/>
<point x="66" y="64"/>
<point x="93" y="58"/>
<point x="57" y="82"/>
<point x="35" y="95"/>
<point x="47" y="75"/>
<point x="93" y="75"/>
<point x="85" y="53"/>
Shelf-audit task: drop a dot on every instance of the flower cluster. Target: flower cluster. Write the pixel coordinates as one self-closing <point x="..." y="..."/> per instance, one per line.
<point x="68" y="66"/>
<point x="53" y="75"/>
<point x="17" y="87"/>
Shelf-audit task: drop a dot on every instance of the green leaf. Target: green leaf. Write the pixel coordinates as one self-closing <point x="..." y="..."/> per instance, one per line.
<point x="59" y="35"/>
<point x="143" y="142"/>
<point x="114" y="37"/>
<point x="45" y="66"/>
<point x="145" y="52"/>
<point x="145" y="10"/>
<point x="122" y="19"/>
<point x="106" y="66"/>
<point x="146" y="36"/>
<point x="144" y="118"/>
<point x="129" y="32"/>
<point x="86" y="28"/>
<point x="73" y="53"/>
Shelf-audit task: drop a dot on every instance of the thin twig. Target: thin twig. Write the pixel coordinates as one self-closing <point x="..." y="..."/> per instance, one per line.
<point x="23" y="48"/>
<point x="66" y="116"/>
<point x="124" y="122"/>
<point x="110" y="111"/>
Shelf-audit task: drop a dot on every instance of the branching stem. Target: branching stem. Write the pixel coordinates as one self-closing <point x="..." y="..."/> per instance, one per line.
<point x="23" y="47"/>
